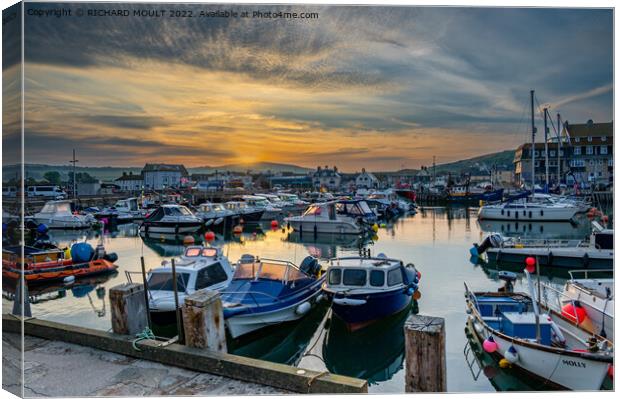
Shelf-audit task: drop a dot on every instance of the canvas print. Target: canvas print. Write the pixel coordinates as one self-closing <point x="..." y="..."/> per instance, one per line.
<point x="212" y="199"/>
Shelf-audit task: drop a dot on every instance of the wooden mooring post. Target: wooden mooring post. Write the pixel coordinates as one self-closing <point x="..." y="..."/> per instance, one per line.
<point x="203" y="321"/>
<point x="425" y="351"/>
<point x="129" y="311"/>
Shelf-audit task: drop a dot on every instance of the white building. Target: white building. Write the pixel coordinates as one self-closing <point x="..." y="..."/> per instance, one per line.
<point x="366" y="180"/>
<point x="328" y="178"/>
<point x="157" y="176"/>
<point x="129" y="182"/>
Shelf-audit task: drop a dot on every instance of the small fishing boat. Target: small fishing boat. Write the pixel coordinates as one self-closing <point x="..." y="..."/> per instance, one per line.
<point x="44" y="265"/>
<point x="130" y="206"/>
<point x="59" y="215"/>
<point x="366" y="289"/>
<point x="464" y="194"/>
<point x="324" y="218"/>
<point x="246" y="213"/>
<point x="292" y="202"/>
<point x="595" y="253"/>
<point x="198" y="268"/>
<point x="112" y="215"/>
<point x="264" y="292"/>
<point x="527" y="335"/>
<point x="171" y="218"/>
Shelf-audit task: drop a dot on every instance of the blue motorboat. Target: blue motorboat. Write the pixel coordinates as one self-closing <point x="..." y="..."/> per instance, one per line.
<point x="366" y="289"/>
<point x="265" y="292"/>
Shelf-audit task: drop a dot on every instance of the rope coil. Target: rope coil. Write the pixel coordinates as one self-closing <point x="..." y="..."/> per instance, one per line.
<point x="145" y="334"/>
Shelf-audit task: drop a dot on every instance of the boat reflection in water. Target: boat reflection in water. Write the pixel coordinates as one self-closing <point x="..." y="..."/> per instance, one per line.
<point x="491" y="269"/>
<point x="579" y="229"/>
<point x="283" y="343"/>
<point x="328" y="246"/>
<point x="374" y="353"/>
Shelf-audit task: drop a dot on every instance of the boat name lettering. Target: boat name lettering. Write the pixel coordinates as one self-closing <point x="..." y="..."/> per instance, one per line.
<point x="574" y="363"/>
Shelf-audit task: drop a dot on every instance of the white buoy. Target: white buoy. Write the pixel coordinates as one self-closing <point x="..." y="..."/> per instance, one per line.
<point x="69" y="280"/>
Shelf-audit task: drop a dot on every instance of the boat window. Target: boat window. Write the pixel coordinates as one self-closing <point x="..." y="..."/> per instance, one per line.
<point x="313" y="210"/>
<point x="192" y="252"/>
<point x="162" y="281"/>
<point x="355" y="277"/>
<point x="209" y="252"/>
<point x="395" y="277"/>
<point x="365" y="207"/>
<point x="335" y="276"/>
<point x="377" y="278"/>
<point x="65" y="207"/>
<point x="210" y="275"/>
<point x="295" y="274"/>
<point x="272" y="271"/>
<point x="246" y="270"/>
<point x="185" y="211"/>
<point x="48" y="208"/>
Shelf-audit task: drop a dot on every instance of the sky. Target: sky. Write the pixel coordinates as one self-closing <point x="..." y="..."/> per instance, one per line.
<point x="381" y="88"/>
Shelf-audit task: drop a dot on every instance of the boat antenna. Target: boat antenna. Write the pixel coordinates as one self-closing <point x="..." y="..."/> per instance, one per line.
<point x="533" y="140"/>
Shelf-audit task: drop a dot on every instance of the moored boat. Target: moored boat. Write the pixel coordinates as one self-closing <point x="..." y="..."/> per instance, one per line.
<point x="324" y="217"/>
<point x="59" y="215"/>
<point x="171" y="218"/>
<point x="264" y="292"/>
<point x="540" y="341"/>
<point x="366" y="289"/>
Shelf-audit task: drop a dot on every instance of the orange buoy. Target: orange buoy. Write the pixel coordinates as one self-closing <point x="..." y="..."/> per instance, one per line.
<point x="238" y="229"/>
<point x="188" y="240"/>
<point x="417" y="295"/>
<point x="209" y="236"/>
<point x="574" y="313"/>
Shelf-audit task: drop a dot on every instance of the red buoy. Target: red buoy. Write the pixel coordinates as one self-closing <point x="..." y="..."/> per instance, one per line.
<point x="574" y="313"/>
<point x="238" y="229"/>
<point x="274" y="224"/>
<point x="209" y="236"/>
<point x="530" y="264"/>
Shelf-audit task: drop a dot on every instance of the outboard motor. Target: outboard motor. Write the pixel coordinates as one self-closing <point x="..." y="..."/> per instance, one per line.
<point x="492" y="241"/>
<point x="247" y="258"/>
<point x="310" y="265"/>
<point x="509" y="278"/>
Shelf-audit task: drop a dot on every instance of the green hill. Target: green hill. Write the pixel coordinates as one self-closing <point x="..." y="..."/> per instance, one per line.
<point x="482" y="163"/>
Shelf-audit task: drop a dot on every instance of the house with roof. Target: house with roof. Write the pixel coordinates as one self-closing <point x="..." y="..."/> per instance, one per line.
<point x="130" y="182"/>
<point x="159" y="176"/>
<point x="326" y="178"/>
<point x="366" y="180"/>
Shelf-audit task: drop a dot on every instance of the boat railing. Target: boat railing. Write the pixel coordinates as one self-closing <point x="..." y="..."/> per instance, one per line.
<point x="541" y="243"/>
<point x="585" y="273"/>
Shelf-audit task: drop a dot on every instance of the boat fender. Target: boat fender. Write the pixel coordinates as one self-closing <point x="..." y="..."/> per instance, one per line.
<point x="489" y="345"/>
<point x="511" y="355"/>
<point x="303" y="308"/>
<point x="504" y="364"/>
<point x="68" y="280"/>
<point x="556" y="331"/>
<point x="218" y="221"/>
<point x="209" y="222"/>
<point x="319" y="298"/>
<point x="585" y="260"/>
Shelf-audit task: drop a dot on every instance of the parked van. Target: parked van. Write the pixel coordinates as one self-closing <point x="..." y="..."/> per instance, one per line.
<point x="46" y="192"/>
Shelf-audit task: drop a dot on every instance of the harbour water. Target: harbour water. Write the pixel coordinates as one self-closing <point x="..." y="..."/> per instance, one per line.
<point x="436" y="240"/>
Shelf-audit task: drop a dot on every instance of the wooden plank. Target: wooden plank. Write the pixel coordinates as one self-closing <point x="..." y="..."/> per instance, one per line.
<point x="425" y="351"/>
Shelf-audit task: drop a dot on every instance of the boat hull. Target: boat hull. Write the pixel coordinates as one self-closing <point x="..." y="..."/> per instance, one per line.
<point x="570" y="258"/>
<point x="251" y="217"/>
<point x="329" y="227"/>
<point x="361" y="310"/>
<point x="170" y="227"/>
<point x="242" y="324"/>
<point x="44" y="273"/>
<point x="527" y="214"/>
<point x="53" y="223"/>
<point x="475" y="198"/>
<point x="558" y="367"/>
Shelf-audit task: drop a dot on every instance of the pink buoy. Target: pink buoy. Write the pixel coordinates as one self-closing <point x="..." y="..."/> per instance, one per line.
<point x="489" y="345"/>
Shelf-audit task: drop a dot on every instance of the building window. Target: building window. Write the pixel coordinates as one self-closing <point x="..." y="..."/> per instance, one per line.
<point x="603" y="138"/>
<point x="590" y="138"/>
<point x="589" y="150"/>
<point x="600" y="174"/>
<point x="552" y="153"/>
<point x="591" y="162"/>
<point x="600" y="161"/>
<point x="561" y="153"/>
<point x="536" y="164"/>
<point x="536" y="153"/>
<point x="576" y="139"/>
<point x="610" y="162"/>
<point x="577" y="151"/>
<point x="603" y="150"/>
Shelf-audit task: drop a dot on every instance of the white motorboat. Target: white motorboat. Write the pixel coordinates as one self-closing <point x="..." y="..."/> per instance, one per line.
<point x="216" y="215"/>
<point x="198" y="268"/>
<point x="539" y="209"/>
<point x="270" y="211"/>
<point x="58" y="215"/>
<point x="324" y="218"/>
<point x="171" y="218"/>
<point x="539" y="340"/>
<point x="292" y="202"/>
<point x="130" y="206"/>
<point x="595" y="253"/>
<point x="246" y="213"/>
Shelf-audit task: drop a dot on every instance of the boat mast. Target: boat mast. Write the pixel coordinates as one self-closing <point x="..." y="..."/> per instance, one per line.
<point x="533" y="142"/>
<point x="559" y="147"/>
<point x="546" y="152"/>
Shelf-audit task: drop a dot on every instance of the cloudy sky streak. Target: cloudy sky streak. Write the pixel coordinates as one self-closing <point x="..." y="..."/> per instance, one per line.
<point x="381" y="88"/>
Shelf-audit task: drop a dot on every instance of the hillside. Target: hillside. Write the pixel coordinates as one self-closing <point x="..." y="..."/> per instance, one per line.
<point x="502" y="159"/>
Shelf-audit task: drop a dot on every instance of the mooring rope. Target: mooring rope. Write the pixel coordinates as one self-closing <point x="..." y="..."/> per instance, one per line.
<point x="145" y="334"/>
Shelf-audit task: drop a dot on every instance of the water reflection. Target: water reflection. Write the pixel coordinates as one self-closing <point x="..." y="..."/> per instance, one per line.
<point x="374" y="353"/>
<point x="327" y="246"/>
<point x="578" y="229"/>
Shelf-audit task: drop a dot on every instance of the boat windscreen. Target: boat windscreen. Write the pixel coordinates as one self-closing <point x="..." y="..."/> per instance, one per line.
<point x="272" y="271"/>
<point x="355" y="277"/>
<point x="245" y="271"/>
<point x="162" y="281"/>
<point x="313" y="210"/>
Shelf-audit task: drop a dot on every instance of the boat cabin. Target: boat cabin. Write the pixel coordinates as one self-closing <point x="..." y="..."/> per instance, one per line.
<point x="355" y="209"/>
<point x="127" y="205"/>
<point x="57" y="208"/>
<point x="169" y="210"/>
<point x="198" y="268"/>
<point x="365" y="273"/>
<point x="256" y="201"/>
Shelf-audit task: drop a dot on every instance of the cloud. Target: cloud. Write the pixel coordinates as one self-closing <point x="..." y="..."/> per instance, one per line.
<point x="128" y="122"/>
<point x="582" y="96"/>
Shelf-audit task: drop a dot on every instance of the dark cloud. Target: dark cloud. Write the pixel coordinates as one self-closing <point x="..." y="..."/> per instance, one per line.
<point x="126" y="122"/>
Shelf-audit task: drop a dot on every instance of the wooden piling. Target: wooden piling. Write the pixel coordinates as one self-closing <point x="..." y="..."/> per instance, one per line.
<point x="425" y="351"/>
<point x="129" y="311"/>
<point x="203" y="321"/>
